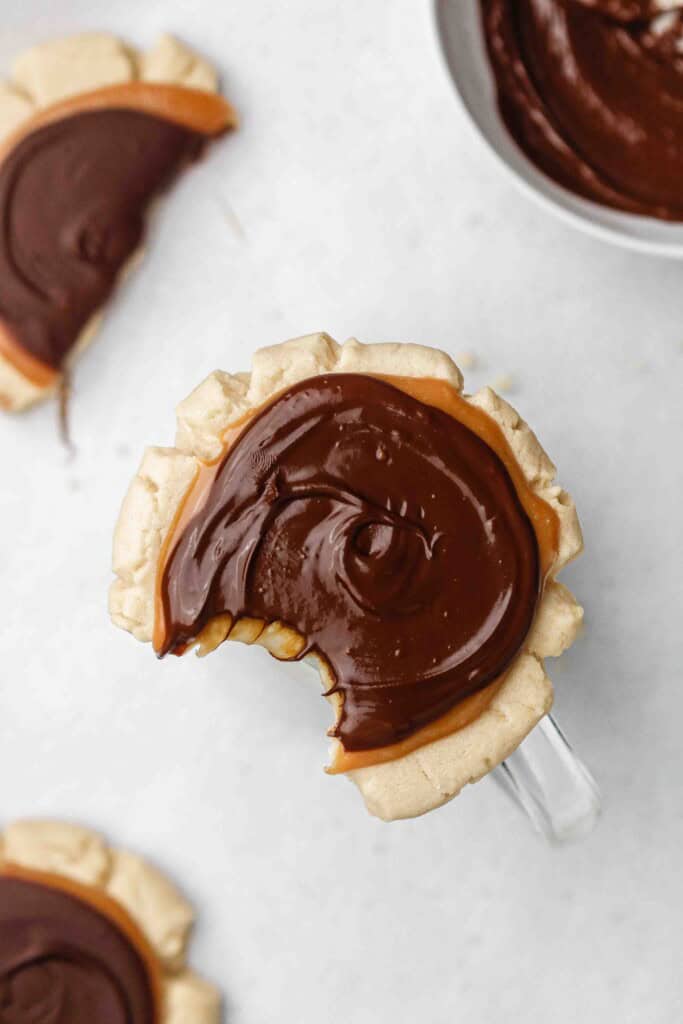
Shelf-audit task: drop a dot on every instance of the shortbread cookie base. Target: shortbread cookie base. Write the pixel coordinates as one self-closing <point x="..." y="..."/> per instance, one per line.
<point x="64" y="68"/>
<point x="436" y="772"/>
<point x="153" y="903"/>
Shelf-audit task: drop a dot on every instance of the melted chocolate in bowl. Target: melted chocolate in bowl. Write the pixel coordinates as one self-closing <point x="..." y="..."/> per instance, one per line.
<point x="63" y="962"/>
<point x="593" y="94"/>
<point x="624" y="10"/>
<point x="384" y="531"/>
<point x="73" y="196"/>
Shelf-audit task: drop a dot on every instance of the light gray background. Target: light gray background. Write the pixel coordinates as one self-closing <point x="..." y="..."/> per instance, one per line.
<point x="356" y="199"/>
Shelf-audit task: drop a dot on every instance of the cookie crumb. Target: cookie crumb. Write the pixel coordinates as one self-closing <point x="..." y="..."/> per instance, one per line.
<point x="466" y="360"/>
<point x="504" y="382"/>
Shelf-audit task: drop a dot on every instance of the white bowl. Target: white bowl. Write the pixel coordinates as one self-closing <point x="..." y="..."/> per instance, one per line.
<point x="462" y="39"/>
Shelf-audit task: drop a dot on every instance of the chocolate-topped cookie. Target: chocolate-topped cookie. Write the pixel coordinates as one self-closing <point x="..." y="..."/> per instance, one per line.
<point x="89" y="934"/>
<point x="350" y="505"/>
<point x="91" y="132"/>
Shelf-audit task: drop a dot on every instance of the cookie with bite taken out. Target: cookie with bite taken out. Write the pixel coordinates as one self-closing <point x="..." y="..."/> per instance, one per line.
<point x="350" y="505"/>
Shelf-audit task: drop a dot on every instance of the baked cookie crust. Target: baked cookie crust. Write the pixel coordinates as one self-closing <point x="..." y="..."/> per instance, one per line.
<point x="436" y="772"/>
<point x="148" y="898"/>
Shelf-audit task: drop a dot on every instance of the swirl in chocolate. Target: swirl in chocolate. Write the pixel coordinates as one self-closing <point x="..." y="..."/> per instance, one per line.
<point x="73" y="198"/>
<point x="592" y="92"/>
<point x="63" y="962"/>
<point x="381" y="529"/>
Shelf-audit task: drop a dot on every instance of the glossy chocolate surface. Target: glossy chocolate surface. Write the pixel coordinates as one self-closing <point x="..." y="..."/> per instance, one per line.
<point x="384" y="531"/>
<point x="625" y="10"/>
<point x="63" y="962"/>
<point x="593" y="94"/>
<point x="73" y="198"/>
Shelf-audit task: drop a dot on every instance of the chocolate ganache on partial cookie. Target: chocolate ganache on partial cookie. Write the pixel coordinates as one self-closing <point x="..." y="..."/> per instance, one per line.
<point x="73" y="196"/>
<point x="380" y="528"/>
<point x="592" y="91"/>
<point x="64" y="962"/>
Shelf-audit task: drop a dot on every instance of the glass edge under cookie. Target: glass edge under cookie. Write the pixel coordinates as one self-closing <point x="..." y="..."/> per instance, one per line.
<point x="553" y="787"/>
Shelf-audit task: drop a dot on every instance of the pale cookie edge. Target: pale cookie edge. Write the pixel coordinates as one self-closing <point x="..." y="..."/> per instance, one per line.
<point x="59" y="848"/>
<point x="155" y="904"/>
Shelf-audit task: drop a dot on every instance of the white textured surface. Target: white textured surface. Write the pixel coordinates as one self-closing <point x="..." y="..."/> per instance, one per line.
<point x="356" y="199"/>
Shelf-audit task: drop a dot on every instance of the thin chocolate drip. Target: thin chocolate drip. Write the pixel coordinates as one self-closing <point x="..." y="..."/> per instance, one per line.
<point x="63" y="409"/>
<point x="384" y="531"/>
<point x="64" y="962"/>
<point x="73" y="199"/>
<point x="592" y="92"/>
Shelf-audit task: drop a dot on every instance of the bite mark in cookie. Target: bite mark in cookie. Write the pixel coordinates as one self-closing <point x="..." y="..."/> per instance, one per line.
<point x="366" y="515"/>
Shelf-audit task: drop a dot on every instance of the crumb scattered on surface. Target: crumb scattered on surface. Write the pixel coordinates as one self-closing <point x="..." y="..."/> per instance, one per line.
<point x="504" y="382"/>
<point x="233" y="220"/>
<point x="466" y="360"/>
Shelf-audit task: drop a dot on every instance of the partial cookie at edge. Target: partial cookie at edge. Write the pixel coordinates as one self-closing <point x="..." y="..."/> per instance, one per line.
<point x="61" y="68"/>
<point x="152" y="901"/>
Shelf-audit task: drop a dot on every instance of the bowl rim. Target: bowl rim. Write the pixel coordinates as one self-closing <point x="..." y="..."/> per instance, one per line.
<point x="582" y="216"/>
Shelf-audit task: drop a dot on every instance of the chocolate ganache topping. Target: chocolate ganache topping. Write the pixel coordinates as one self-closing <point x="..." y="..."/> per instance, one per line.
<point x="63" y="962"/>
<point x="380" y="528"/>
<point x="73" y="196"/>
<point x="592" y="92"/>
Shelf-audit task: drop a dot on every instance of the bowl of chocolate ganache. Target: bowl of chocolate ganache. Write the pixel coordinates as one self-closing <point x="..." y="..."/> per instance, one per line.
<point x="582" y="102"/>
